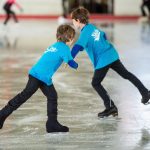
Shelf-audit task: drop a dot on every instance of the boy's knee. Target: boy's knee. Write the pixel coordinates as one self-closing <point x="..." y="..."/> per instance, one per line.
<point x="95" y="83"/>
<point x="127" y="75"/>
<point x="28" y="92"/>
<point x="53" y="96"/>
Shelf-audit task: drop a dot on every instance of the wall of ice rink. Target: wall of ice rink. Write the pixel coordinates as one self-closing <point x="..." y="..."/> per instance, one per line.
<point x="37" y="7"/>
<point x="127" y="7"/>
<point x="53" y="7"/>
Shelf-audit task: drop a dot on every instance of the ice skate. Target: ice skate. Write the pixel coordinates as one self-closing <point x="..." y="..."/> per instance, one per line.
<point x="2" y="120"/>
<point x="55" y="126"/>
<point x="4" y="113"/>
<point x="112" y="111"/>
<point x="145" y="100"/>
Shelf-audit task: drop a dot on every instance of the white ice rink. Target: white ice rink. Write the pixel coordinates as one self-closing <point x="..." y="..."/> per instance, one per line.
<point x="21" y="45"/>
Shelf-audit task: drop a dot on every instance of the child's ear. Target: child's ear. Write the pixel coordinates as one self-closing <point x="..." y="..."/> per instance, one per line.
<point x="77" y="20"/>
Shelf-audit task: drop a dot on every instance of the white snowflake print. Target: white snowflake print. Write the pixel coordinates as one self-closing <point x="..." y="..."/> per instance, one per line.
<point x="51" y="49"/>
<point x="96" y="35"/>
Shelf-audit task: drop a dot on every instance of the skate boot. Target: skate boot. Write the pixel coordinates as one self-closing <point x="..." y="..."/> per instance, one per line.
<point x="146" y="99"/>
<point x="108" y="112"/>
<point x="52" y="125"/>
<point x="4" y="113"/>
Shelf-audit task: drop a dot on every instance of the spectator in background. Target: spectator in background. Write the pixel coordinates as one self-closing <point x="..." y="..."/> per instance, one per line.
<point x="7" y="7"/>
<point x="95" y="6"/>
<point x="63" y="18"/>
<point x="65" y="9"/>
<point x="146" y="3"/>
<point x="74" y="4"/>
<point x="104" y="6"/>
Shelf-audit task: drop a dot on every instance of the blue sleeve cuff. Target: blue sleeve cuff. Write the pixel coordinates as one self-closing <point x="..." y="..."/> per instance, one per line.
<point x="75" y="50"/>
<point x="73" y="64"/>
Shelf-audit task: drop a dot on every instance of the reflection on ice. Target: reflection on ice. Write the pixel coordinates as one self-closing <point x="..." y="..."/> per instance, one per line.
<point x="78" y="102"/>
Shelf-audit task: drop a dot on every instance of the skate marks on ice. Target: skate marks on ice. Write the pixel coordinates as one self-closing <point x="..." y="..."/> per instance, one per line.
<point x="9" y="36"/>
<point x="144" y="140"/>
<point x="78" y="103"/>
<point x="110" y="118"/>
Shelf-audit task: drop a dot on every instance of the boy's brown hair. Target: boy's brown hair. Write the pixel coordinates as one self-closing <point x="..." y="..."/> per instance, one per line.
<point x="80" y="14"/>
<point x="65" y="33"/>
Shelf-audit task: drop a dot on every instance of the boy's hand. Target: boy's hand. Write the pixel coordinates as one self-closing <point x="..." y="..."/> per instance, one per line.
<point x="21" y="10"/>
<point x="73" y="64"/>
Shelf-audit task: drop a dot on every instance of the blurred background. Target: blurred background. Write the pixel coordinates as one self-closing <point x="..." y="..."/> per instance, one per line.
<point x="54" y="7"/>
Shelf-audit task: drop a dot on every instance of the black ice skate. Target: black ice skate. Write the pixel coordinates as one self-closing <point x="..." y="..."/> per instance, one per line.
<point x="146" y="99"/>
<point x="2" y="120"/>
<point x="112" y="111"/>
<point x="55" y="126"/>
<point x="52" y="124"/>
<point x="4" y="113"/>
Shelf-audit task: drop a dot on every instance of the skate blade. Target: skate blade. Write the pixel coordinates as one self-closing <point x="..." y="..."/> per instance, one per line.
<point x="110" y="118"/>
<point x="147" y="103"/>
<point x="114" y="115"/>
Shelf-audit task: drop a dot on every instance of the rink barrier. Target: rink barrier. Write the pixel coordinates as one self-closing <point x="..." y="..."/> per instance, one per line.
<point x="93" y="16"/>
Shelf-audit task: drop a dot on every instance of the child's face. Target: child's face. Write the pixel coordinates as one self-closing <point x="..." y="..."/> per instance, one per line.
<point x="76" y="23"/>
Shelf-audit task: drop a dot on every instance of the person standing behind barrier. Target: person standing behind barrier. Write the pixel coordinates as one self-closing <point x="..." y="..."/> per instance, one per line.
<point x="146" y="3"/>
<point x="65" y="9"/>
<point x="63" y="18"/>
<point x="7" y="7"/>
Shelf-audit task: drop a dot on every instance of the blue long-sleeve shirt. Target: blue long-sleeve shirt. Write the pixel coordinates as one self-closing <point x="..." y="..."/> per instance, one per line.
<point x="75" y="50"/>
<point x="94" y="41"/>
<point x="51" y="60"/>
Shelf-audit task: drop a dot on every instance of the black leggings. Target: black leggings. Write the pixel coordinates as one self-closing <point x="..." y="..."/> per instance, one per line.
<point x="31" y="87"/>
<point x="65" y="9"/>
<point x="9" y="12"/>
<point x="122" y="71"/>
<point x="145" y="4"/>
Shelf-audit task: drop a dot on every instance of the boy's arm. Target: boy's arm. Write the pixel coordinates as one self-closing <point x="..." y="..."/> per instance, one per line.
<point x="73" y="64"/>
<point x="75" y="50"/>
<point x="68" y="59"/>
<point x="18" y="6"/>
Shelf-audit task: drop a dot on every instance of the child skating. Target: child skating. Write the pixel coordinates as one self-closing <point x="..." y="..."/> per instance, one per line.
<point x="103" y="56"/>
<point x="40" y="76"/>
<point x="8" y="9"/>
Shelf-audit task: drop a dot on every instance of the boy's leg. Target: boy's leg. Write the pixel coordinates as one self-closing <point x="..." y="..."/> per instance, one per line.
<point x="149" y="10"/>
<point x="122" y="71"/>
<point x="52" y="125"/>
<point x="142" y="10"/>
<point x="7" y="17"/>
<point x="96" y="83"/>
<point x="64" y="8"/>
<point x="19" y="99"/>
<point x="14" y="16"/>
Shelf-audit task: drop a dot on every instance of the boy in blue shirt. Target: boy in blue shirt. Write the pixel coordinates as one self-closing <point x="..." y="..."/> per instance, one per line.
<point x="40" y="76"/>
<point x="103" y="56"/>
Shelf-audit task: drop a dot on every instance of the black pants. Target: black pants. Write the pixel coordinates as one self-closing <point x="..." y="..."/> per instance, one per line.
<point x="145" y="4"/>
<point x="9" y="12"/>
<point x="31" y="87"/>
<point x="122" y="71"/>
<point x="65" y="9"/>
